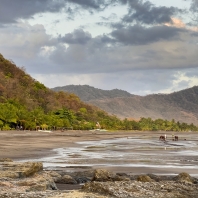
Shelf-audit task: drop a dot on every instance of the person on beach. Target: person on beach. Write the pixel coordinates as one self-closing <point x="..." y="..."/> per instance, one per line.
<point x="165" y="137"/>
<point x="173" y="137"/>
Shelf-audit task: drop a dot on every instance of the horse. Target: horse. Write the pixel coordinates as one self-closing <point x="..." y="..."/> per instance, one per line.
<point x="162" y="138"/>
<point x="176" y="138"/>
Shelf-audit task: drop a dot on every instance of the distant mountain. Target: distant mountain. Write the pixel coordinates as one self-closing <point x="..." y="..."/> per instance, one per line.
<point x="87" y="93"/>
<point x="181" y="106"/>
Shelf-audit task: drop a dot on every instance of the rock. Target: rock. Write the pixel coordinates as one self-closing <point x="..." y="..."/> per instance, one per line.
<point x="81" y="180"/>
<point x="38" y="187"/>
<point x="144" y="178"/>
<point x="30" y="168"/>
<point x="19" y="170"/>
<point x="155" y="177"/>
<point x="6" y="160"/>
<point x="123" y="175"/>
<point x="6" y="184"/>
<point x="27" y="176"/>
<point x="184" y="177"/>
<point x="9" y="174"/>
<point x="47" y="180"/>
<point x="56" y="176"/>
<point x="103" y="175"/>
<point x="37" y="183"/>
<point x="82" y="174"/>
<point x="135" y="189"/>
<point x="66" y="179"/>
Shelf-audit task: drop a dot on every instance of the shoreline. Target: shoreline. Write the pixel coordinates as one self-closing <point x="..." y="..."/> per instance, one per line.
<point x="27" y="145"/>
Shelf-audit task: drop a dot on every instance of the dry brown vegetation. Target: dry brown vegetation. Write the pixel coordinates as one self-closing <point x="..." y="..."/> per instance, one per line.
<point x="181" y="106"/>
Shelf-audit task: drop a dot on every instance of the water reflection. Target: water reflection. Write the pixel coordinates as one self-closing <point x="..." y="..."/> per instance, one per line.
<point x="128" y="153"/>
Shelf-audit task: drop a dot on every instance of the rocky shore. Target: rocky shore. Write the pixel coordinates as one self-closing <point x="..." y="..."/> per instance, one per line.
<point x="29" y="180"/>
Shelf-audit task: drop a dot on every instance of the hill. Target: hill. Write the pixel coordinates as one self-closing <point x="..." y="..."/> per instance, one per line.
<point x="25" y="101"/>
<point x="181" y="106"/>
<point x="87" y="93"/>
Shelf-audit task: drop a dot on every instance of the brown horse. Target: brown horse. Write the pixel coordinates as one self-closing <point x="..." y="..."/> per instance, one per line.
<point x="162" y="138"/>
<point x="176" y="138"/>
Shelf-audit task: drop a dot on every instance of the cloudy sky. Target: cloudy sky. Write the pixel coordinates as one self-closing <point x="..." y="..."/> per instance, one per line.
<point x="139" y="46"/>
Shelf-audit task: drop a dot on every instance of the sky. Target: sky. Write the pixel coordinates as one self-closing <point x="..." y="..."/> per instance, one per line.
<point x="140" y="46"/>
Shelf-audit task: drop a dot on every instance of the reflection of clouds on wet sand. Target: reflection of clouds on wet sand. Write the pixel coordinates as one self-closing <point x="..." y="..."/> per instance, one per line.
<point x="128" y="153"/>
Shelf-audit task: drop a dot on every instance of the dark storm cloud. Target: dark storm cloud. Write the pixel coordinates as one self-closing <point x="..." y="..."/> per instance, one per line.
<point x="77" y="37"/>
<point x="95" y="4"/>
<point x="139" y="35"/>
<point x="11" y="10"/>
<point x="117" y="25"/>
<point x="194" y="34"/>
<point x="146" y="12"/>
<point x="194" y="5"/>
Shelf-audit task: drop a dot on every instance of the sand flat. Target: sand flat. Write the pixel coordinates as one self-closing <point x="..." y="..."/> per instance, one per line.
<point x="123" y="151"/>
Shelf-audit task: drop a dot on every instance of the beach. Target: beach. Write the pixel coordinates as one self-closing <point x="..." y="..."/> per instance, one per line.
<point x="118" y="151"/>
<point x="20" y="145"/>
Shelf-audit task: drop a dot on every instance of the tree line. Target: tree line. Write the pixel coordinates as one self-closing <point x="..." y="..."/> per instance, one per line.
<point x="14" y="115"/>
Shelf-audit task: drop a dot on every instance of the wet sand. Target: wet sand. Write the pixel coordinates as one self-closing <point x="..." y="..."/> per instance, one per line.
<point x="19" y="145"/>
<point x="34" y="145"/>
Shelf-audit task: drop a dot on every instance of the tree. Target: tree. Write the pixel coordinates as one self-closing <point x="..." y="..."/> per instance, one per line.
<point x="37" y="116"/>
<point x="22" y="116"/>
<point x="8" y="113"/>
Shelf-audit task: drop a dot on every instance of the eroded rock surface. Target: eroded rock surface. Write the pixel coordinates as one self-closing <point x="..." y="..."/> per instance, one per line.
<point x="136" y="189"/>
<point x="28" y="180"/>
<point x="102" y="175"/>
<point x="144" y="186"/>
<point x="19" y="170"/>
<point x="66" y="179"/>
<point x="24" y="177"/>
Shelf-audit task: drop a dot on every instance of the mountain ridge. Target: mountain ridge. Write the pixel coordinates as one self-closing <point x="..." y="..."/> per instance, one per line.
<point x="89" y="93"/>
<point x="181" y="105"/>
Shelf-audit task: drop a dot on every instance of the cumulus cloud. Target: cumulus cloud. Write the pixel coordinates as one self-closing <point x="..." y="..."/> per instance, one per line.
<point x="124" y="50"/>
<point x="147" y="13"/>
<point x="194" y="5"/>
<point x="140" y="82"/>
<point x="23" y="40"/>
<point x="140" y="35"/>
<point x="10" y="10"/>
<point x="77" y="37"/>
<point x="176" y="23"/>
<point x="97" y="56"/>
<point x="98" y="5"/>
<point x="147" y="48"/>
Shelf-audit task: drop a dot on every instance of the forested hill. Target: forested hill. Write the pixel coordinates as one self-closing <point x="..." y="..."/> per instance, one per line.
<point x="27" y="102"/>
<point x="181" y="106"/>
<point x="87" y="93"/>
<point x="17" y="85"/>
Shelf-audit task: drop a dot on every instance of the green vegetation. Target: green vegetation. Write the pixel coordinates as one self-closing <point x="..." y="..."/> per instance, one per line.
<point x="28" y="103"/>
<point x="12" y="114"/>
<point x="147" y="124"/>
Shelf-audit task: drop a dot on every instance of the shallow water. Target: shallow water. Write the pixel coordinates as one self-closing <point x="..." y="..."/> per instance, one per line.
<point x="139" y="155"/>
